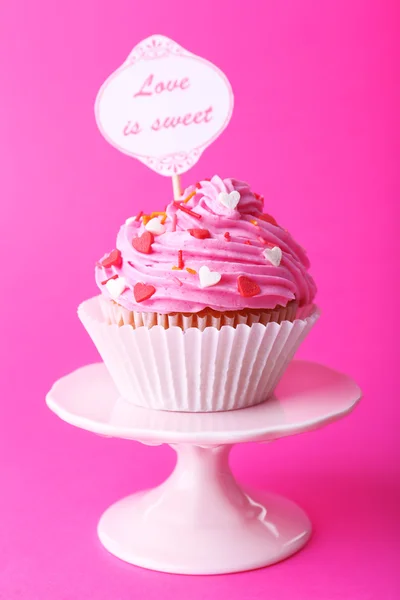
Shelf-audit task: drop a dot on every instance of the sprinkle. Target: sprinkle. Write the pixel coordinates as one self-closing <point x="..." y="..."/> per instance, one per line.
<point x="273" y="255"/>
<point x="186" y="200"/>
<point x="178" y="281"/>
<point x="187" y="210"/>
<point x="258" y="196"/>
<point x="142" y="291"/>
<point x="138" y="216"/>
<point x="159" y="214"/>
<point x="155" y="226"/>
<point x="116" y="287"/>
<point x="109" y="279"/>
<point x="173" y="224"/>
<point x="248" y="242"/>
<point x="176" y="269"/>
<point x="254" y="222"/>
<point x="267" y="218"/>
<point x="145" y="219"/>
<point x="114" y="259"/>
<point x="247" y="287"/>
<point x="208" y="278"/>
<point x="227" y="236"/>
<point x="143" y="243"/>
<point x="181" y="264"/>
<point x="200" y="234"/>
<point x="230" y="200"/>
<point x="191" y="271"/>
<point x="198" y="185"/>
<point x="261" y="239"/>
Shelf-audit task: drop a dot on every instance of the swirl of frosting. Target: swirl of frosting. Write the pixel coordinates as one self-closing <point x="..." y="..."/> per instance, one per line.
<point x="216" y="249"/>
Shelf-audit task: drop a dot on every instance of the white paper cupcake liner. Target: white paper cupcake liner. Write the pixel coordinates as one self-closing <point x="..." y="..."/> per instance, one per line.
<point x="195" y="370"/>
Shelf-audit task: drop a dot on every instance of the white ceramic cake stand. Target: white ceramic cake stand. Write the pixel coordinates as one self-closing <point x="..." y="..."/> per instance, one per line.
<point x="200" y="521"/>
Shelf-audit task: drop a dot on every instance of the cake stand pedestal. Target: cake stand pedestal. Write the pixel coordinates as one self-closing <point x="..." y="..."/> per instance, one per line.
<point x="200" y="520"/>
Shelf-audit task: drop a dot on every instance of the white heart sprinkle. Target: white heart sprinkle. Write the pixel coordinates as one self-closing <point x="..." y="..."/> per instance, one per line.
<point x="274" y="255"/>
<point x="230" y="200"/>
<point x="115" y="287"/>
<point x="155" y="226"/>
<point x="207" y="277"/>
<point x="130" y="220"/>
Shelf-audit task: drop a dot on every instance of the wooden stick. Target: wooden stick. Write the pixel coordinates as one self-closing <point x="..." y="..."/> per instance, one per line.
<point x="176" y="186"/>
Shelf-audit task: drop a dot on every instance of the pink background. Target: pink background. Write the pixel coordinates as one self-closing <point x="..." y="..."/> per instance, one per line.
<point x="314" y="130"/>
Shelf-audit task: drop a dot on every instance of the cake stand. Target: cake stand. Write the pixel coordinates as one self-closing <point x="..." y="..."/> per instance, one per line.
<point x="200" y="520"/>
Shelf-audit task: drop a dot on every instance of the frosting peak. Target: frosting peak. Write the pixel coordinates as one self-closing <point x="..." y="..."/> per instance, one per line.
<point x="213" y="248"/>
<point x="209" y="195"/>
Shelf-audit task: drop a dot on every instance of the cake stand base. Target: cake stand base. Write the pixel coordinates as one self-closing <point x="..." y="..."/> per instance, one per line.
<point x="199" y="521"/>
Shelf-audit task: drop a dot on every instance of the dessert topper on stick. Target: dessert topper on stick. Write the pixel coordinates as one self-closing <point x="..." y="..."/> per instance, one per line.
<point x="164" y="106"/>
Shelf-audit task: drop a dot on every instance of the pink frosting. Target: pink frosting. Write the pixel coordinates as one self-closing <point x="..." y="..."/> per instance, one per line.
<point x="238" y="254"/>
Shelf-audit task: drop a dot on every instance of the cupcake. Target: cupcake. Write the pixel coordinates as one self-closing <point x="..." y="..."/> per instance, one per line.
<point x="202" y="306"/>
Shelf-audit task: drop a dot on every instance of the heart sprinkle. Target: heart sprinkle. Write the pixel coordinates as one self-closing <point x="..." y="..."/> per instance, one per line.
<point x="267" y="218"/>
<point x="155" y="226"/>
<point x="142" y="291"/>
<point x="247" y="287"/>
<point x="109" y="279"/>
<point x="274" y="255"/>
<point x="200" y="234"/>
<point x="143" y="243"/>
<point x="230" y="200"/>
<point x="114" y="259"/>
<point x="227" y="236"/>
<point x="207" y="277"/>
<point x="115" y="287"/>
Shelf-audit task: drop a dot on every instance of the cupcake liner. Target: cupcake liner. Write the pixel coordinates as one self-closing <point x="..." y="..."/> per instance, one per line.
<point x="114" y="313"/>
<point x="195" y="369"/>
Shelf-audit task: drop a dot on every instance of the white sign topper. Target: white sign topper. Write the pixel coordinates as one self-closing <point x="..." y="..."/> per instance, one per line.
<point x="164" y="105"/>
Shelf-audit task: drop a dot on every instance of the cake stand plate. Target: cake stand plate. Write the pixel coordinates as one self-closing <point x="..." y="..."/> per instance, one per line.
<point x="200" y="521"/>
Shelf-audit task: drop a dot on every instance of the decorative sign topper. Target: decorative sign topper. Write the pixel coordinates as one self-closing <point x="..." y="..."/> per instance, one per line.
<point x="164" y="106"/>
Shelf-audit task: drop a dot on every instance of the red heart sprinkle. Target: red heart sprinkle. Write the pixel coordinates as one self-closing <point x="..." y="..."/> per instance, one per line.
<point x="267" y="218"/>
<point x="109" y="279"/>
<point x="114" y="259"/>
<point x="247" y="287"/>
<point x="143" y="243"/>
<point x="142" y="291"/>
<point x="200" y="234"/>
